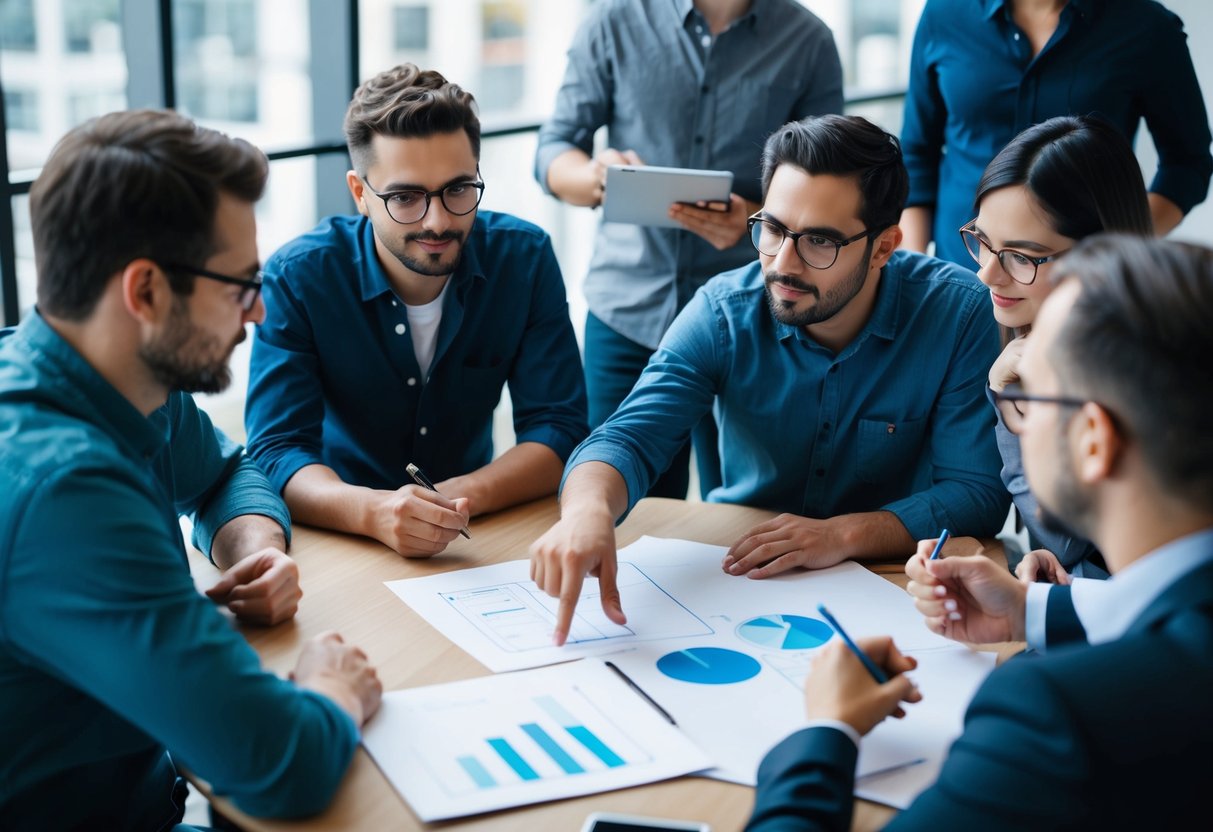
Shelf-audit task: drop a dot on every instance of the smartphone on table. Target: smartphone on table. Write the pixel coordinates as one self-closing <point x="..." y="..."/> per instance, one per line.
<point x="616" y="822"/>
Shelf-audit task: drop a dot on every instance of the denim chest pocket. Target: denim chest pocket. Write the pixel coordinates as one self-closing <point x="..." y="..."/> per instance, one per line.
<point x="887" y="448"/>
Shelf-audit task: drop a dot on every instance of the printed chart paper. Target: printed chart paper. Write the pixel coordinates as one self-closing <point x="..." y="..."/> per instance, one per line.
<point x="512" y="739"/>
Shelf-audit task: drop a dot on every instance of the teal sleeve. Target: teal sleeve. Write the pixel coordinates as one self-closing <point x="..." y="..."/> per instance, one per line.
<point x="212" y="478"/>
<point x="109" y="609"/>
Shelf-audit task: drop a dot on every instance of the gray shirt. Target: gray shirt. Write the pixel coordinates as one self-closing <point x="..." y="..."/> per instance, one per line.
<point x="652" y="73"/>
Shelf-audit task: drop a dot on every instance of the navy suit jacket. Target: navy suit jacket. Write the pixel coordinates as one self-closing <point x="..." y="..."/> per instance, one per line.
<point x="1113" y="736"/>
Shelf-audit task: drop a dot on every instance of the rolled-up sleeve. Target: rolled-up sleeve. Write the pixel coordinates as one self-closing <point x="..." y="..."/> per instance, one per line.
<point x="547" y="385"/>
<point x="284" y="413"/>
<point x="1177" y="120"/>
<point x="583" y="103"/>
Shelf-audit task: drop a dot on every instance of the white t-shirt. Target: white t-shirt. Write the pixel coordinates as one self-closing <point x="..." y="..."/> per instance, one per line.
<point x="423" y="325"/>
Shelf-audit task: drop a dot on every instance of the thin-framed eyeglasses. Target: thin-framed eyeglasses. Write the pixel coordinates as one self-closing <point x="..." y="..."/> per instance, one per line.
<point x="251" y="288"/>
<point x="815" y="249"/>
<point x="410" y="205"/>
<point x="1019" y="267"/>
<point x="1013" y="402"/>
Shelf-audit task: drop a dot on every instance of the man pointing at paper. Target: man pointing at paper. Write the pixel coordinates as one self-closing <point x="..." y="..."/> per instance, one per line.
<point x="846" y="378"/>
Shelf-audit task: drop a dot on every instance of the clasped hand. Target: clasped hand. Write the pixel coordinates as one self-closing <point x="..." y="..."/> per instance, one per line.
<point x="262" y="588"/>
<point x="417" y="522"/>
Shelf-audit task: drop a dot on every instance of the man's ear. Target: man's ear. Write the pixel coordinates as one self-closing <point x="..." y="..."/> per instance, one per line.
<point x="886" y="243"/>
<point x="1098" y="443"/>
<point x="357" y="190"/>
<point x="146" y="293"/>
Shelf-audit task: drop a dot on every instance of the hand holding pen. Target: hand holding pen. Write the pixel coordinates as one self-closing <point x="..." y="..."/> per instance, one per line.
<point x="841" y="688"/>
<point x="421" y="479"/>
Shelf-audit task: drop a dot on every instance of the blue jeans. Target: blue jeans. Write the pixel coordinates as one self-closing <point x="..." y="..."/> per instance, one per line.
<point x="612" y="365"/>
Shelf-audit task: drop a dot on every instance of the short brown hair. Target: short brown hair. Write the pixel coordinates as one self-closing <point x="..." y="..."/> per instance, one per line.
<point x="1137" y="341"/>
<point x="406" y="102"/>
<point x="131" y="184"/>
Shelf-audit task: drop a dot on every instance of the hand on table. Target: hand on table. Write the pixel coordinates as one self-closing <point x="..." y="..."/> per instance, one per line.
<point x="1042" y="565"/>
<point x="785" y="542"/>
<point x="575" y="546"/>
<point x="840" y="687"/>
<point x="341" y="672"/>
<point x="417" y="522"/>
<point x="262" y="588"/>
<point x="721" y="228"/>
<point x="970" y="599"/>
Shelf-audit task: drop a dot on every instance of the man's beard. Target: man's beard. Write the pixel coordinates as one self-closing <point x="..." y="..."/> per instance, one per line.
<point x="825" y="308"/>
<point x="175" y="358"/>
<point x="431" y="264"/>
<point x="1072" y="513"/>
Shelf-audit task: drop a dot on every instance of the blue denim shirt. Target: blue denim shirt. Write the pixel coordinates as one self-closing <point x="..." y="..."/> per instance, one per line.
<point x="641" y="69"/>
<point x="333" y="379"/>
<point x="109" y="657"/>
<point x="974" y="86"/>
<point x="896" y="421"/>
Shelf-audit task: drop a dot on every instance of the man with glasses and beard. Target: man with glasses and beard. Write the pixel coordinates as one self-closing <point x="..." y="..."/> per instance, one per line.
<point x="113" y="669"/>
<point x="1111" y="731"/>
<point x="389" y="336"/>
<point x="846" y="377"/>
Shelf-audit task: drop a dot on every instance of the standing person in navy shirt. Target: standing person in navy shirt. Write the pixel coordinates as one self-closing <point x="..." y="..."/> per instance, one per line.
<point x="982" y="71"/>
<point x="389" y="336"/>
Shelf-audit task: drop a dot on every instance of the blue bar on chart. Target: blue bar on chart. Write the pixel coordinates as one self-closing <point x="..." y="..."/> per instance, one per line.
<point x="479" y="774"/>
<point x="579" y="732"/>
<point x="513" y="759"/>
<point x="544" y="740"/>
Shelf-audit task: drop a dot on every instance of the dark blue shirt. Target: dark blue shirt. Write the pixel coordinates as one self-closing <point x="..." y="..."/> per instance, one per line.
<point x="896" y="421"/>
<point x="333" y="379"/>
<point x="974" y="86"/>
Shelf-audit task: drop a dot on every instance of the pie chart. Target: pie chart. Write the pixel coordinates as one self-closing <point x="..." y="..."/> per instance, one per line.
<point x="708" y="666"/>
<point x="785" y="632"/>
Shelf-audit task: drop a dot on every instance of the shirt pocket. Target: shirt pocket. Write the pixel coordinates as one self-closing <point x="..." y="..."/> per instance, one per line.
<point x="479" y="387"/>
<point x="887" y="449"/>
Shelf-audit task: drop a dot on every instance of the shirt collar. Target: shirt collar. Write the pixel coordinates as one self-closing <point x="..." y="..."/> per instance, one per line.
<point x="683" y="9"/>
<point x="372" y="277"/>
<point x="993" y="7"/>
<point x="83" y="392"/>
<point x="1108" y="614"/>
<point x="882" y="323"/>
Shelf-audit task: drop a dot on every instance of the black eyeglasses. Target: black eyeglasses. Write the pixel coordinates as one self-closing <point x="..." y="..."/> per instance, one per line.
<point x="1019" y="267"/>
<point x="816" y="250"/>
<point x="248" y="297"/>
<point x="1012" y="399"/>
<point x="409" y="206"/>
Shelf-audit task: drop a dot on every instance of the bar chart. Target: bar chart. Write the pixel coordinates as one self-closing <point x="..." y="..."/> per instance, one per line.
<point x="505" y="740"/>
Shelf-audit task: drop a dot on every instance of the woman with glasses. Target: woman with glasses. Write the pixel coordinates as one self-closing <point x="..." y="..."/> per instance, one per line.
<point x="1055" y="183"/>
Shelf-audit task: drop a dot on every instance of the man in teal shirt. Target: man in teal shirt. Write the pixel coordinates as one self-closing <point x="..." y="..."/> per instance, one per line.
<point x="110" y="661"/>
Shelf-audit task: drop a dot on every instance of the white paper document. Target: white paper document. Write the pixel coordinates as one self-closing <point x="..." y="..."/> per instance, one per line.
<point x="726" y="656"/>
<point x="512" y="739"/>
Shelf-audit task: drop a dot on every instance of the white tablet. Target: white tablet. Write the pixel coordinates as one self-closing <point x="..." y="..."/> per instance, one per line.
<point x="642" y="195"/>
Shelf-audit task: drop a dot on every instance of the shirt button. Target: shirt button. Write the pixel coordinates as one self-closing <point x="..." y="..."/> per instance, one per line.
<point x="399" y="329"/>
<point x="1017" y="36"/>
<point x="706" y="40"/>
<point x="891" y="428"/>
<point x="394" y="303"/>
<point x="412" y="381"/>
<point x="424" y="431"/>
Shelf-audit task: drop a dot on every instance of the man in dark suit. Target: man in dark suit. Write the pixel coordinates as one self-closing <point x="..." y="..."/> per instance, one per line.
<point x="1117" y="392"/>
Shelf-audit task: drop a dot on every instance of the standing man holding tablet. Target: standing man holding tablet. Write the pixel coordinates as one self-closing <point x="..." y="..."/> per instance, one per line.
<point x="678" y="84"/>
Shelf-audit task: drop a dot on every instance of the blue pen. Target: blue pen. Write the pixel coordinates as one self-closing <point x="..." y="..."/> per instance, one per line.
<point x="876" y="672"/>
<point x="943" y="538"/>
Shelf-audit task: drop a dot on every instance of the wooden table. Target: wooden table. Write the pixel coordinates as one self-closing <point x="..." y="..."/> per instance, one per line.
<point x="343" y="582"/>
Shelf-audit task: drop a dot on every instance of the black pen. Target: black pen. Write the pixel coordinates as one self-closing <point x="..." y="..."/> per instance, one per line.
<point x="628" y="681"/>
<point x="421" y="479"/>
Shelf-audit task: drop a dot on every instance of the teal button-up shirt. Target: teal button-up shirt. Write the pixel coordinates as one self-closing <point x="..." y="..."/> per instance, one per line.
<point x="109" y="658"/>
<point x="896" y="421"/>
